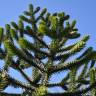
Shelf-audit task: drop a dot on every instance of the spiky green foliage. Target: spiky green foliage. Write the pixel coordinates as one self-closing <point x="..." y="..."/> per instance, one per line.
<point x="46" y="58"/>
<point x="92" y="80"/>
<point x="3" y="80"/>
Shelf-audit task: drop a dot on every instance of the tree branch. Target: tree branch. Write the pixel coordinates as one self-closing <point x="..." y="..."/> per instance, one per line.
<point x="8" y="94"/>
<point x="76" y="93"/>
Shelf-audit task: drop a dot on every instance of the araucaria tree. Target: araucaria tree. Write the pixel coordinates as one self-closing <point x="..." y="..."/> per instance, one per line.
<point x="38" y="41"/>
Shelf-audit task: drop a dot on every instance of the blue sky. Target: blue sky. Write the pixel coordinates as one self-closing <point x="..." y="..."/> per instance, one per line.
<point x="84" y="11"/>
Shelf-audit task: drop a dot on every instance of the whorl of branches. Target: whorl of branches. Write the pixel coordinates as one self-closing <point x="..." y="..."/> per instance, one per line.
<point x="41" y="56"/>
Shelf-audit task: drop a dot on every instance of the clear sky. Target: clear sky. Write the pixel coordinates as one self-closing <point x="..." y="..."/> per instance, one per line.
<point x="84" y="11"/>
